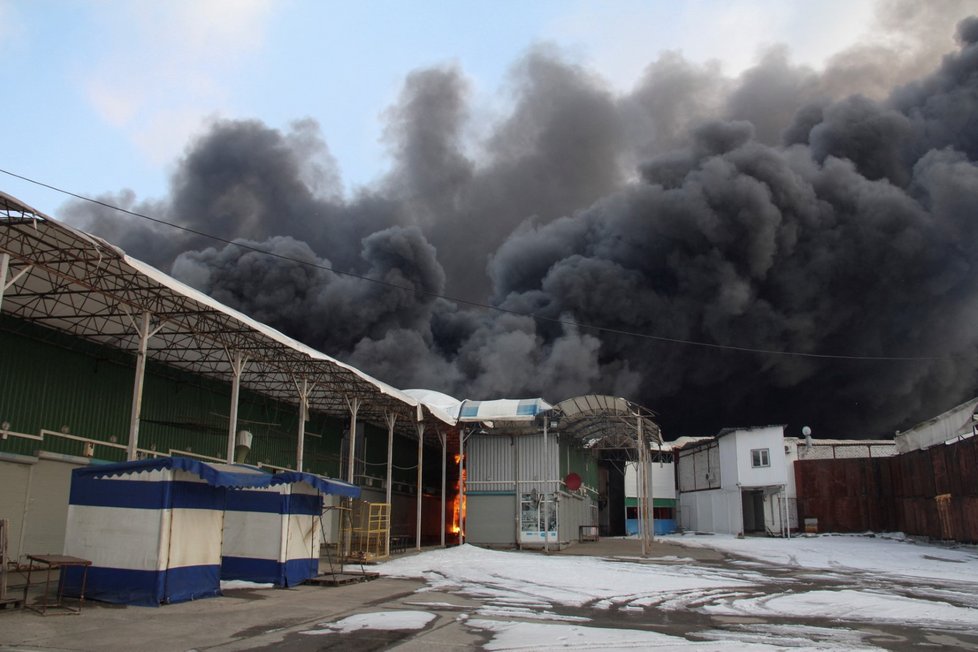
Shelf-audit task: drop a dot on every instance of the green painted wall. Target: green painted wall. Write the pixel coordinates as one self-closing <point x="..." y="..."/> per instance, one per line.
<point x="52" y="381"/>
<point x="578" y="460"/>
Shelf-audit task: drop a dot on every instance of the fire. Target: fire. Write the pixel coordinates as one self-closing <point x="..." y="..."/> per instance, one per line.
<point x="458" y="506"/>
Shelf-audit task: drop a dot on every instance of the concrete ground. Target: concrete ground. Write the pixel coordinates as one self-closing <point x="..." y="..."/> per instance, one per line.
<point x="248" y="619"/>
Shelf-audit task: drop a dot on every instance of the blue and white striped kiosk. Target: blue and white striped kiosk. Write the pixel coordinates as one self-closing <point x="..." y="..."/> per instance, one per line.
<point x="272" y="534"/>
<point x="152" y="528"/>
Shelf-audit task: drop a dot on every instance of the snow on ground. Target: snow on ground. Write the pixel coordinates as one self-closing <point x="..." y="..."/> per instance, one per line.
<point x="895" y="556"/>
<point x="375" y="620"/>
<point x="227" y="585"/>
<point x="508" y="636"/>
<point x="929" y="586"/>
<point x="533" y="580"/>
<point x="849" y="604"/>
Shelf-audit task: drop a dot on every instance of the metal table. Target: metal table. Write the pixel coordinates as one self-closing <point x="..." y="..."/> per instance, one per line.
<point x="49" y="563"/>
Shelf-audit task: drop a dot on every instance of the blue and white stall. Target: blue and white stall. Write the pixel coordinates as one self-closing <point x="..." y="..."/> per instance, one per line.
<point x="162" y="530"/>
<point x="272" y="534"/>
<point x="152" y="528"/>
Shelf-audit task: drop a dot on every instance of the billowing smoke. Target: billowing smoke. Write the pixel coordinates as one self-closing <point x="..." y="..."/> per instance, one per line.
<point x="777" y="211"/>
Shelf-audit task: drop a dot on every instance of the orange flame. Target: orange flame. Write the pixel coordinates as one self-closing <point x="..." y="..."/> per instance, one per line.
<point x="458" y="506"/>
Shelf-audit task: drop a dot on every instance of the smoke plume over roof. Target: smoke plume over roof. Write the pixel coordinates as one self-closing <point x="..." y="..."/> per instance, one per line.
<point x="832" y="213"/>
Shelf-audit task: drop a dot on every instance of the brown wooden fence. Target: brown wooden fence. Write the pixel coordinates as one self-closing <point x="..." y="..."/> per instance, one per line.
<point x="932" y="493"/>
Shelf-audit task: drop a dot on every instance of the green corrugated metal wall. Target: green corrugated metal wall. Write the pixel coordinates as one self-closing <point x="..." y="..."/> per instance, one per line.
<point x="49" y="380"/>
<point x="575" y="459"/>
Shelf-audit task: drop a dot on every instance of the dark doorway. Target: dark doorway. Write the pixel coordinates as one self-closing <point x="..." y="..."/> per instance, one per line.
<point x="753" y="504"/>
<point x="611" y="498"/>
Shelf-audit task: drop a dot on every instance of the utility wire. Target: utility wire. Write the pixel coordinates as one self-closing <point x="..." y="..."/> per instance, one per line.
<point x="467" y="302"/>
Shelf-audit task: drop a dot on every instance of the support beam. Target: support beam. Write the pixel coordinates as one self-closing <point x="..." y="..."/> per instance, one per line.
<point x="444" y="469"/>
<point x="6" y="281"/>
<point x="645" y="500"/>
<point x="4" y="266"/>
<point x="417" y="534"/>
<point x="137" y="387"/>
<point x="390" y="418"/>
<point x="353" y="403"/>
<point x="546" y="489"/>
<point x="238" y="362"/>
<point x="461" y="485"/>
<point x="305" y="391"/>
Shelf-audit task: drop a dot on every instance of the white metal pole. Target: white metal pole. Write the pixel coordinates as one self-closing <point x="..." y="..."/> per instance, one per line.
<point x="784" y="499"/>
<point x="444" y="469"/>
<point x="137" y="389"/>
<point x="546" y="490"/>
<point x="5" y="280"/>
<point x="417" y="532"/>
<point x="354" y="405"/>
<point x="237" y="367"/>
<point x="461" y="486"/>
<point x="4" y="266"/>
<point x="300" y="446"/>
<point x="391" y="418"/>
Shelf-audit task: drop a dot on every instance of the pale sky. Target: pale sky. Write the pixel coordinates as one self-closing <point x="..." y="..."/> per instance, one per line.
<point x="103" y="96"/>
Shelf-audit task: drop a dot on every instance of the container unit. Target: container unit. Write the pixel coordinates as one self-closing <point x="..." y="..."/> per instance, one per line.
<point x="272" y="534"/>
<point x="516" y="495"/>
<point x="151" y="528"/>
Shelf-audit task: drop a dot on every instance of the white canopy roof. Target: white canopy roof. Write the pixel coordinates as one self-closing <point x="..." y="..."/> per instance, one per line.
<point x="504" y="409"/>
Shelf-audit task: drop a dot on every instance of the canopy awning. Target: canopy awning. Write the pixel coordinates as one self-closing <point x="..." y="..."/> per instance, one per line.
<point x="65" y="279"/>
<point x="219" y="475"/>
<point x="233" y="476"/>
<point x="606" y="422"/>
<point x="503" y="409"/>
<point x="325" y="485"/>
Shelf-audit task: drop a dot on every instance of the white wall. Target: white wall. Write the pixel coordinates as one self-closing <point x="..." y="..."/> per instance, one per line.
<point x="36" y="488"/>
<point x="663" y="480"/>
<point x="715" y="510"/>
<point x="771" y="438"/>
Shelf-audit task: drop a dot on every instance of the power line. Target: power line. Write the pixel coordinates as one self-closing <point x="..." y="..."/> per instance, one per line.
<point x="468" y="302"/>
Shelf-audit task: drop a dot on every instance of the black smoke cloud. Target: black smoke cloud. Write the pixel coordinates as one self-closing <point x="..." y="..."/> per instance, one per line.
<point x="774" y="211"/>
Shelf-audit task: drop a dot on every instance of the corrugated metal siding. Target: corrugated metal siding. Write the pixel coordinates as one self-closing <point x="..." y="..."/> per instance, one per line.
<point x="699" y="468"/>
<point x="491" y="460"/>
<point x="574" y="459"/>
<point x="46" y="386"/>
<point x="49" y="381"/>
<point x="489" y="463"/>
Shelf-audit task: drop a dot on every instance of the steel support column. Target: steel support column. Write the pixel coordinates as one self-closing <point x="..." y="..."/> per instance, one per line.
<point x="238" y="363"/>
<point x="354" y="405"/>
<point x="417" y="534"/>
<point x="546" y="489"/>
<point x="137" y="389"/>
<point x="390" y="418"/>
<point x="444" y="469"/>
<point x="304" y="392"/>
<point x="645" y="509"/>
<point x="6" y="281"/>
<point x="4" y="266"/>
<point x="461" y="485"/>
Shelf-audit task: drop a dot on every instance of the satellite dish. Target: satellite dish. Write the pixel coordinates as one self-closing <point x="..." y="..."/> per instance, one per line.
<point x="573" y="481"/>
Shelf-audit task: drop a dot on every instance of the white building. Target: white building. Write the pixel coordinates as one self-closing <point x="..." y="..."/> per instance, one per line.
<point x="663" y="474"/>
<point x="743" y="480"/>
<point x="736" y="482"/>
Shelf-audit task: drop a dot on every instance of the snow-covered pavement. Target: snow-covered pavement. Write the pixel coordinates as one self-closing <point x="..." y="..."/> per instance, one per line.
<point x="826" y="592"/>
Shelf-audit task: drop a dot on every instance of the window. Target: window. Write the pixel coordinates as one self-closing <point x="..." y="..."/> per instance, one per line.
<point x="760" y="457"/>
